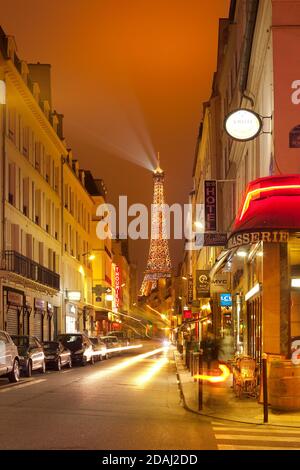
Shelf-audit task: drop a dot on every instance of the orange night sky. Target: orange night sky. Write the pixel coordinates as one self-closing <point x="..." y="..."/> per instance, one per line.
<point x="130" y="77"/>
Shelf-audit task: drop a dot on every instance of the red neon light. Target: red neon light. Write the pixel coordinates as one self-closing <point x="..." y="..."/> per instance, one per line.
<point x="117" y="286"/>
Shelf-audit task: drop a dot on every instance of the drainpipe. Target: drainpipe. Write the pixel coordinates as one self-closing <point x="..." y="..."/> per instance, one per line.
<point x="4" y="110"/>
<point x="247" y="49"/>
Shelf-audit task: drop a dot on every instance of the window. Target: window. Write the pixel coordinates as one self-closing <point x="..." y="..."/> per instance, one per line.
<point x="26" y="196"/>
<point x="12" y="183"/>
<point x="25" y="145"/>
<point x="12" y="124"/>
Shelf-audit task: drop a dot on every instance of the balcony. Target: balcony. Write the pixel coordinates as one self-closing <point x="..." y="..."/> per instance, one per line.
<point x="19" y="264"/>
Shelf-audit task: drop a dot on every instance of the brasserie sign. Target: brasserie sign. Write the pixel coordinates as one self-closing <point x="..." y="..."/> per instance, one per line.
<point x="247" y="238"/>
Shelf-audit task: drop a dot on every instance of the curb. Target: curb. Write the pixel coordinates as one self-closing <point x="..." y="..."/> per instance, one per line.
<point x="222" y="418"/>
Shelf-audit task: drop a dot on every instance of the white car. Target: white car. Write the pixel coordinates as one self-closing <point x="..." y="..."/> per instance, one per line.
<point x="9" y="358"/>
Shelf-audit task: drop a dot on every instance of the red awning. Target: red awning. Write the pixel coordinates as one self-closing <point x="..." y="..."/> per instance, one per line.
<point x="270" y="203"/>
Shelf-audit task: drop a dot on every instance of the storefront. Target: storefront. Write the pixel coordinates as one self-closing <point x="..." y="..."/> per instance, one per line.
<point x="40" y="312"/>
<point x="71" y="318"/>
<point x="13" y="310"/>
<point x="263" y="256"/>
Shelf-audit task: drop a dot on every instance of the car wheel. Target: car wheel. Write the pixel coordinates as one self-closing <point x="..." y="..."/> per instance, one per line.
<point x="83" y="362"/>
<point x="100" y="357"/>
<point x="14" y="375"/>
<point x="58" y="364"/>
<point x="70" y="364"/>
<point x="43" y="369"/>
<point x="107" y="356"/>
<point x="28" y="372"/>
<point x="92" y="360"/>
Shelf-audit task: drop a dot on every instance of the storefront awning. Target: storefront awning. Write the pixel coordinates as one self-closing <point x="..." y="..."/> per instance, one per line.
<point x="270" y="203"/>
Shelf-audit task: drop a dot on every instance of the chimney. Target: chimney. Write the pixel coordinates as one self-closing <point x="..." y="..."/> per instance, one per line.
<point x="41" y="73"/>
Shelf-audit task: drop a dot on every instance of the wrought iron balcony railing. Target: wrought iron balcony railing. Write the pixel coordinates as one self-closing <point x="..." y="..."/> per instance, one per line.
<point x="19" y="264"/>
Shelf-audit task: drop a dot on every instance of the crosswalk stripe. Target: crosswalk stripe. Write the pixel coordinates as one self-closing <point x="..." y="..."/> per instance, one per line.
<point x="261" y="430"/>
<point x="237" y="447"/>
<point x="17" y="386"/>
<point x="239" y="437"/>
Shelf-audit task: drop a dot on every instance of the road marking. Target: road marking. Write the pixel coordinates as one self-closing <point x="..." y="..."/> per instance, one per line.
<point x="239" y="437"/>
<point x="17" y="386"/>
<point x="237" y="447"/>
<point x="272" y="431"/>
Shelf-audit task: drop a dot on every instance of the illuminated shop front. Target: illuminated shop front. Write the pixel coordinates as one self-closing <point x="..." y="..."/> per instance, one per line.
<point x="263" y="257"/>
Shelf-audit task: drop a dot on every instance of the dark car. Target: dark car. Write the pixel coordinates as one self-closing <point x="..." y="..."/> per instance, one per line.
<point x="80" y="346"/>
<point x="100" y="351"/>
<point x="57" y="355"/>
<point x="111" y="342"/>
<point x="9" y="358"/>
<point x="31" y="354"/>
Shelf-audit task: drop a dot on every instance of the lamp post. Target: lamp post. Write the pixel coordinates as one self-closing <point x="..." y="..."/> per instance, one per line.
<point x="3" y="105"/>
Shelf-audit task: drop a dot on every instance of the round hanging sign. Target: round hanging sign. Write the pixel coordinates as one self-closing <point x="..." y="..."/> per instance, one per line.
<point x="243" y="124"/>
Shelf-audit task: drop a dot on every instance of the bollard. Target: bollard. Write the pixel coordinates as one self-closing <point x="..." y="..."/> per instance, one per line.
<point x="265" y="388"/>
<point x="190" y="360"/>
<point x="192" y="363"/>
<point x="196" y="365"/>
<point x="200" y="382"/>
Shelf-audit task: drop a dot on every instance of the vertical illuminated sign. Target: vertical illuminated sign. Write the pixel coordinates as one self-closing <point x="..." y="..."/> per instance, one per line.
<point x="117" y="286"/>
<point x="210" y="205"/>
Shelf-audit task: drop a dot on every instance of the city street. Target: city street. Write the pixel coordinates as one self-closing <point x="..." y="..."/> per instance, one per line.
<point x="99" y="407"/>
<point x="120" y="404"/>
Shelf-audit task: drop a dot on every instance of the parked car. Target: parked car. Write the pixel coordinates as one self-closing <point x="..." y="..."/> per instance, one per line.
<point x="31" y="354"/>
<point x="111" y="342"/>
<point x="122" y="337"/>
<point x="57" y="355"/>
<point x="9" y="358"/>
<point x="80" y="346"/>
<point x="100" y="351"/>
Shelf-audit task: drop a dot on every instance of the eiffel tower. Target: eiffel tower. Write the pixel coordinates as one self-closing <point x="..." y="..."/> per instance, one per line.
<point x="159" y="262"/>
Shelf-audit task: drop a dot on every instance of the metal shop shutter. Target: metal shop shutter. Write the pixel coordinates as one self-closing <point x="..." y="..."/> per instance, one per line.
<point x="37" y="327"/>
<point x="12" y="321"/>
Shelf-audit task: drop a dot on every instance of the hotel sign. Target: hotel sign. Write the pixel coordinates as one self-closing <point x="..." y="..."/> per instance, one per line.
<point x="210" y="205"/>
<point x="247" y="238"/>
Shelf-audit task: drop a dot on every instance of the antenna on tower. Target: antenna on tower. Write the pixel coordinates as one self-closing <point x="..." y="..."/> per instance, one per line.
<point x="158" y="168"/>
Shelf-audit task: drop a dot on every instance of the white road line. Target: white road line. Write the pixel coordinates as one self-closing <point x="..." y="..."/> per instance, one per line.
<point x="262" y="430"/>
<point x="239" y="437"/>
<point x="27" y="384"/>
<point x="237" y="447"/>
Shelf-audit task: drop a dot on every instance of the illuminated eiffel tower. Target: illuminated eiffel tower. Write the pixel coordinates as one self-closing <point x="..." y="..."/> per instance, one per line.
<point x="159" y="262"/>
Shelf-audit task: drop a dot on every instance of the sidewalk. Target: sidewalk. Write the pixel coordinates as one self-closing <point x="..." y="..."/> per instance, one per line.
<point x="220" y="402"/>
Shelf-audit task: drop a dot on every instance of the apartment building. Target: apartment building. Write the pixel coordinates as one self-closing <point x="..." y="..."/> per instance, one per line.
<point x="259" y="273"/>
<point x="50" y="255"/>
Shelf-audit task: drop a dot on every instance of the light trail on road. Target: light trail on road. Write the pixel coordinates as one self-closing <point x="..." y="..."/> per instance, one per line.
<point x="124" y="364"/>
<point x="145" y="378"/>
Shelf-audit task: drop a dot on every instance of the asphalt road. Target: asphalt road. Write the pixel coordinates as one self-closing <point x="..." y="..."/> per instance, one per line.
<point x="127" y="402"/>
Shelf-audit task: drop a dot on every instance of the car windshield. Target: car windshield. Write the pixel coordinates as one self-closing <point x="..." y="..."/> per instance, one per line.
<point x="51" y="346"/>
<point x="72" y="342"/>
<point x="94" y="340"/>
<point x="21" y="341"/>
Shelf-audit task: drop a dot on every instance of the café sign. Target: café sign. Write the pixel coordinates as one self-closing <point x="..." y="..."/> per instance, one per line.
<point x="247" y="238"/>
<point x="243" y="124"/>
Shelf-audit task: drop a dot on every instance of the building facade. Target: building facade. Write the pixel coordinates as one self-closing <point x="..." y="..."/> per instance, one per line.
<point x="253" y="278"/>
<point x="51" y="258"/>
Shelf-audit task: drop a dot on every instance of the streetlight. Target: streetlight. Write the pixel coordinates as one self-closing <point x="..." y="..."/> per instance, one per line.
<point x="91" y="255"/>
